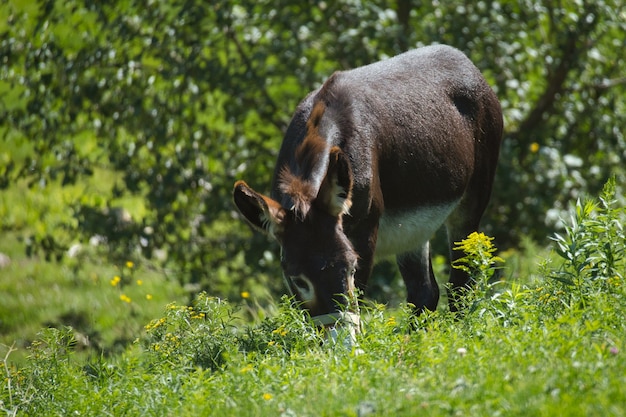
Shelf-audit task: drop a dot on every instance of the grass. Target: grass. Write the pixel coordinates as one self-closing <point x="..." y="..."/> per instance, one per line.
<point x="546" y="346"/>
<point x="35" y="294"/>
<point x="210" y="365"/>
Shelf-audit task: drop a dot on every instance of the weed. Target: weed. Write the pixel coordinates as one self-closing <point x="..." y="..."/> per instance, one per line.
<point x="479" y="262"/>
<point x="592" y="250"/>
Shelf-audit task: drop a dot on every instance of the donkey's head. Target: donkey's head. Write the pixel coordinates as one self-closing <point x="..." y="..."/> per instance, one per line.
<point x="317" y="258"/>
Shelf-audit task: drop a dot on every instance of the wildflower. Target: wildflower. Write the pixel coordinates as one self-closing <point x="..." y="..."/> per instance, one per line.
<point x="152" y="325"/>
<point x="148" y="296"/>
<point x="246" y="368"/>
<point x="479" y="250"/>
<point x="245" y="295"/>
<point x="391" y="321"/>
<point x="130" y="264"/>
<point x="155" y="323"/>
<point x="614" y="281"/>
<point x="613" y="350"/>
<point x="267" y="396"/>
<point x="116" y="280"/>
<point x="139" y="282"/>
<point x="125" y="298"/>
<point x="534" y="147"/>
<point x="281" y="331"/>
<point x="476" y="242"/>
<point x="461" y="351"/>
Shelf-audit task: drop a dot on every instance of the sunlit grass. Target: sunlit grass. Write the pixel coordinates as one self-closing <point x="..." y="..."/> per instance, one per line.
<point x="550" y="345"/>
<point x="36" y="294"/>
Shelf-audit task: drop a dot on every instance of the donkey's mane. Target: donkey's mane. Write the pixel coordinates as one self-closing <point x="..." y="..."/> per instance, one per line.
<point x="301" y="180"/>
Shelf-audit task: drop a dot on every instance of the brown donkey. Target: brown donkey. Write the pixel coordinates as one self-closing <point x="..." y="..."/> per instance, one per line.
<point x="372" y="164"/>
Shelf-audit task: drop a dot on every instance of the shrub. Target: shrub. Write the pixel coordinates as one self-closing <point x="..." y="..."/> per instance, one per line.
<point x="592" y="250"/>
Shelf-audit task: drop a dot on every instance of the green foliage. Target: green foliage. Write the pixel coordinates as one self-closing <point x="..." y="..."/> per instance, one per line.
<point x="206" y="335"/>
<point x="593" y="250"/>
<point x="105" y="304"/>
<point x="204" y="324"/>
<point x="551" y="347"/>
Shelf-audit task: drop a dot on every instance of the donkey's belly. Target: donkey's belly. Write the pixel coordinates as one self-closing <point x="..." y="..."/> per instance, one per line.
<point x="400" y="232"/>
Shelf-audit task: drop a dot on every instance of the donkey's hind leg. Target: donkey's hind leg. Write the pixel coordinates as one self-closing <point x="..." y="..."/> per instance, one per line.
<point x="417" y="272"/>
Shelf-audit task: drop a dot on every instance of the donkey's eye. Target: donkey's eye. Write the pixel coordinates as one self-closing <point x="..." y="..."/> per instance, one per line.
<point x="301" y="283"/>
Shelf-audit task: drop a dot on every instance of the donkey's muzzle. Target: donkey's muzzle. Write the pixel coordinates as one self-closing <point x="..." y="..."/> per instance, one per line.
<point x="341" y="327"/>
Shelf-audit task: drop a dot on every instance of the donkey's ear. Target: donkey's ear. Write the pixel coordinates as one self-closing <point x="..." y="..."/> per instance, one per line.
<point x="262" y="212"/>
<point x="335" y="194"/>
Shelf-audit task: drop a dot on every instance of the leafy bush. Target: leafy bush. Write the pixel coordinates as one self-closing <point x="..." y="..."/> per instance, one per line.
<point x="593" y="250"/>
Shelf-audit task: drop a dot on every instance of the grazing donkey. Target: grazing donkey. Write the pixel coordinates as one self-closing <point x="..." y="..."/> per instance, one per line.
<point x="372" y="164"/>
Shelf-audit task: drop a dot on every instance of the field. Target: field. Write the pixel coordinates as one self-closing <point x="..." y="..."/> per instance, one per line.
<point x="129" y="284"/>
<point x="543" y="337"/>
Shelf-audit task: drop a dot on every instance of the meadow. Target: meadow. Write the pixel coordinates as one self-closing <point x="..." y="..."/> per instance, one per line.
<point x="130" y="286"/>
<point x="542" y="334"/>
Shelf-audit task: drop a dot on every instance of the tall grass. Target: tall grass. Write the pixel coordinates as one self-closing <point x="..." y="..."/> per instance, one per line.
<point x="554" y="346"/>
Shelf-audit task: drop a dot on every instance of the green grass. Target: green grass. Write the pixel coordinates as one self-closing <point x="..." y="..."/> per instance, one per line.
<point x="36" y="294"/>
<point x="548" y="339"/>
<point x="202" y="362"/>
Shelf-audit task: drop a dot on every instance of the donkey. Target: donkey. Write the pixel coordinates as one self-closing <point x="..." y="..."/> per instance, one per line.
<point x="372" y="164"/>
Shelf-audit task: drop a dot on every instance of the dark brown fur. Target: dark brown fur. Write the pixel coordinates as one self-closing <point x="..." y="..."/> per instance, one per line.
<point x="382" y="146"/>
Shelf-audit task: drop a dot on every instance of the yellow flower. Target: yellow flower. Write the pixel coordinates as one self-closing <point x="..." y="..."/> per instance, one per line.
<point x="139" y="282"/>
<point x="130" y="264"/>
<point x="148" y="296"/>
<point x="246" y="368"/>
<point x="534" y="147"/>
<point x="125" y="298"/>
<point x="116" y="280"/>
<point x="267" y="396"/>
<point x="155" y="323"/>
<point x="478" y="243"/>
<point x="281" y="331"/>
<point x="245" y="294"/>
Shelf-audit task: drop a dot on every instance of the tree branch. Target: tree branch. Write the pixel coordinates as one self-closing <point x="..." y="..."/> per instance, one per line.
<point x="404" y="13"/>
<point x="571" y="50"/>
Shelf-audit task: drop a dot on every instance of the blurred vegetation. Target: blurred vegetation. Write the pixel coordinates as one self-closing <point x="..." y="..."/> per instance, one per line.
<point x="127" y="122"/>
